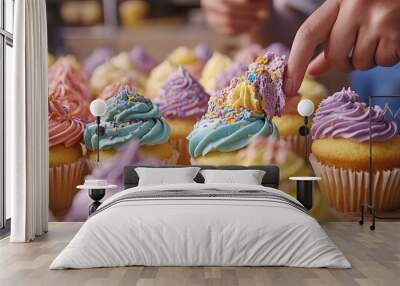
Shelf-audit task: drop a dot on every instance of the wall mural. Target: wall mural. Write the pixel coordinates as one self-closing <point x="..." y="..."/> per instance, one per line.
<point x="202" y="107"/>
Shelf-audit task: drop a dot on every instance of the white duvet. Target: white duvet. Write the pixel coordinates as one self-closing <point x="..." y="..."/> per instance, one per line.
<point x="200" y="231"/>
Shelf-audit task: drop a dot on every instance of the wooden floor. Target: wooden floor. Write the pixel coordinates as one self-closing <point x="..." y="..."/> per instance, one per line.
<point x="375" y="257"/>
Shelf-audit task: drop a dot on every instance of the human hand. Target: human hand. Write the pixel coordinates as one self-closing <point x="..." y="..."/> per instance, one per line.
<point x="234" y="17"/>
<point x="357" y="34"/>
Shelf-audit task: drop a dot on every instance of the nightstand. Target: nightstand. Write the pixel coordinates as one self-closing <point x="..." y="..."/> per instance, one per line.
<point x="304" y="191"/>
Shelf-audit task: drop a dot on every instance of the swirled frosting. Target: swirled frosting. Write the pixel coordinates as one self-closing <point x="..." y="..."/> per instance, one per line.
<point x="142" y="60"/>
<point x="116" y="88"/>
<point x="129" y="116"/>
<point x="63" y="128"/>
<point x="182" y="97"/>
<point x="71" y="87"/>
<point x="343" y="115"/>
<point x="216" y="135"/>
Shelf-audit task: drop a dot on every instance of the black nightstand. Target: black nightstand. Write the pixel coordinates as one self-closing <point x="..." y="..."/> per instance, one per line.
<point x="304" y="191"/>
<point x="96" y="190"/>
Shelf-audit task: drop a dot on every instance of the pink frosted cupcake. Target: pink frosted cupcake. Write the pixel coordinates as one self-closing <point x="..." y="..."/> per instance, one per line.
<point x="182" y="102"/>
<point x="67" y="165"/>
<point x="70" y="87"/>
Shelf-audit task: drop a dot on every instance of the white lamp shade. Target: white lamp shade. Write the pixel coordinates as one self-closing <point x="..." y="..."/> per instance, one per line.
<point x="305" y="107"/>
<point x="98" y="107"/>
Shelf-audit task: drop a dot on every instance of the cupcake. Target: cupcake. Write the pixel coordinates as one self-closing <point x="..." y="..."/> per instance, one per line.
<point x="95" y="59"/>
<point x="290" y="122"/>
<point x="113" y="89"/>
<point x="340" y="153"/>
<point x="238" y="113"/>
<point x="273" y="151"/>
<point x="133" y="12"/>
<point x="187" y="58"/>
<point x="213" y="69"/>
<point x="67" y="166"/>
<point x="51" y="59"/>
<point x="182" y="102"/>
<point x="141" y="60"/>
<point x="235" y="70"/>
<point x="203" y="52"/>
<point x="70" y="87"/>
<point x="157" y="78"/>
<point x="112" y="171"/>
<point x="130" y="116"/>
<point x="115" y="71"/>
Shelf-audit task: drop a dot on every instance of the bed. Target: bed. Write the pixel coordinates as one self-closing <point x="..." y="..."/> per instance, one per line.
<point x="201" y="224"/>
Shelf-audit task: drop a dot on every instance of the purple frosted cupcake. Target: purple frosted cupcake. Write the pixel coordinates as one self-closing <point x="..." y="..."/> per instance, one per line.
<point x="142" y="60"/>
<point x="182" y="102"/>
<point x="96" y="58"/>
<point x="340" y="153"/>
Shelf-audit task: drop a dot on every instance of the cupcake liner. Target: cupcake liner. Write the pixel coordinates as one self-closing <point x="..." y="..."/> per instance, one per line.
<point x="181" y="145"/>
<point x="347" y="190"/>
<point x="297" y="144"/>
<point x="62" y="185"/>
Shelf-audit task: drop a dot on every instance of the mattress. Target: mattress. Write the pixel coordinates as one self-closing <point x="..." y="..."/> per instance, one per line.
<point x="201" y="225"/>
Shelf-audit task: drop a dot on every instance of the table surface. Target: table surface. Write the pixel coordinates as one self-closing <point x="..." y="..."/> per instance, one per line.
<point x="305" y="178"/>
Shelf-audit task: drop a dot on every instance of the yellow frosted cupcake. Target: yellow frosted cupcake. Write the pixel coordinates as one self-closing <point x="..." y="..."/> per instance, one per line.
<point x="290" y="122"/>
<point x="272" y="151"/>
<point x="130" y="116"/>
<point x="157" y="78"/>
<point x="51" y="59"/>
<point x="112" y="72"/>
<point x="213" y="69"/>
<point x="340" y="153"/>
<point x="67" y="166"/>
<point x="187" y="58"/>
<point x="182" y="102"/>
<point x="238" y="113"/>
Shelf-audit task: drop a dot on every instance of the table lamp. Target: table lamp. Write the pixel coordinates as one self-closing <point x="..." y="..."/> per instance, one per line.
<point x="305" y="108"/>
<point x="98" y="108"/>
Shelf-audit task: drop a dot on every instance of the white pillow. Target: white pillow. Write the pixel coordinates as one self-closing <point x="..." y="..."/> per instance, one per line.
<point x="166" y="176"/>
<point x="248" y="177"/>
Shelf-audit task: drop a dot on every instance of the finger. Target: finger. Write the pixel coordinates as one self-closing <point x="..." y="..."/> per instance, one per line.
<point x="235" y="9"/>
<point x="319" y="65"/>
<point x="363" y="54"/>
<point x="342" y="38"/>
<point x="385" y="54"/>
<point x="314" y="31"/>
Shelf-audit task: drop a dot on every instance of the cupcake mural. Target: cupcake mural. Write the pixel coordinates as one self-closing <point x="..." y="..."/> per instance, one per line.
<point x="182" y="102"/>
<point x="70" y="87"/>
<point x="239" y="112"/>
<point x="130" y="116"/>
<point x="340" y="153"/>
<point x="67" y="165"/>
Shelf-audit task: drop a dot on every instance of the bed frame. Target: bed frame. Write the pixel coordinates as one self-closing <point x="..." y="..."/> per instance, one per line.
<point x="270" y="179"/>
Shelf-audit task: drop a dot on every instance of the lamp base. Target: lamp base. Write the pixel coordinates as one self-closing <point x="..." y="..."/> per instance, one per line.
<point x="96" y="195"/>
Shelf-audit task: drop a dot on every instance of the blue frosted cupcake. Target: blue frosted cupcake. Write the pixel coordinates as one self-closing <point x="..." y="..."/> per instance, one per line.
<point x="130" y="116"/>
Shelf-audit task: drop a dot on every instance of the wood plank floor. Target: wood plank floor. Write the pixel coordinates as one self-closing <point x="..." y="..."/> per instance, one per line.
<point x="375" y="257"/>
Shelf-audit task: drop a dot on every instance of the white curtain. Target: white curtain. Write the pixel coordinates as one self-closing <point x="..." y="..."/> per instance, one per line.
<point x="26" y="124"/>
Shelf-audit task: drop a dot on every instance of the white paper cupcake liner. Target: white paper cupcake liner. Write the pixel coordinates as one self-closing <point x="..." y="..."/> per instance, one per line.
<point x="62" y="185"/>
<point x="347" y="190"/>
